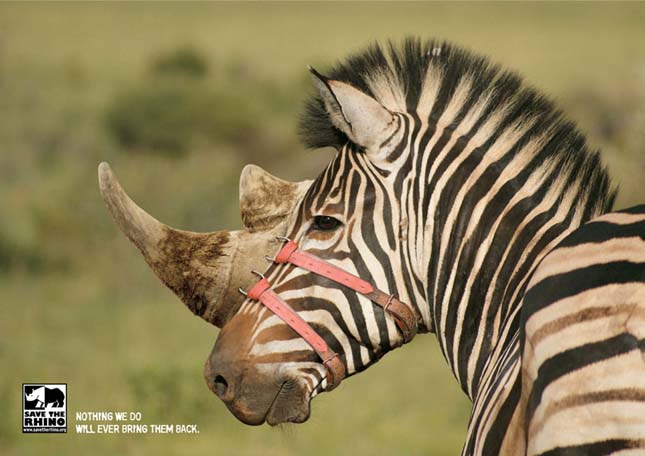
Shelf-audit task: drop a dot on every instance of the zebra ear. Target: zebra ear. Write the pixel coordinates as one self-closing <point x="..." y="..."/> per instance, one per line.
<point x="363" y="119"/>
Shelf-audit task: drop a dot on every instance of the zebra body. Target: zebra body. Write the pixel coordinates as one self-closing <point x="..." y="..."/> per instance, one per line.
<point x="580" y="345"/>
<point x="583" y="339"/>
<point x="467" y="195"/>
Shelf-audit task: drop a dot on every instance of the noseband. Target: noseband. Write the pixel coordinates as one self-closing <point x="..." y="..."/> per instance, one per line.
<point x="290" y="253"/>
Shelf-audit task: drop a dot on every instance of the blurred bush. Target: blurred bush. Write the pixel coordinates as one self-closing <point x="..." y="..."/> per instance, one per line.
<point x="186" y="61"/>
<point x="17" y="253"/>
<point x="153" y="116"/>
<point x="174" y="107"/>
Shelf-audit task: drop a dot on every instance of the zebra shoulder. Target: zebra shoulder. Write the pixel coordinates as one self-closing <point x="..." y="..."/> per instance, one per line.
<point x="583" y="339"/>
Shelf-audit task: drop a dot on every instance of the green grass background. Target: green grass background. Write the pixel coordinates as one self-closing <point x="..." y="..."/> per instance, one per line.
<point x="78" y="303"/>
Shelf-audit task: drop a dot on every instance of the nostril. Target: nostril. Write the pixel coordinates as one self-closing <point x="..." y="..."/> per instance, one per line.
<point x="221" y="385"/>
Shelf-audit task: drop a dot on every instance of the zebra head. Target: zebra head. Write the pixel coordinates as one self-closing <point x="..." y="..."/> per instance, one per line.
<point x="351" y="217"/>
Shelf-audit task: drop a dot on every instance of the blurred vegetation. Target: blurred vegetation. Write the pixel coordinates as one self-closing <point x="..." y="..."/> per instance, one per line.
<point x="173" y="108"/>
<point x="178" y="98"/>
<point x="185" y="61"/>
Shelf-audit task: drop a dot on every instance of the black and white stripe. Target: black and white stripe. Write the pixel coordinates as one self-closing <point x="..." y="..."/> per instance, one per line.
<point x="480" y="211"/>
<point x="583" y="321"/>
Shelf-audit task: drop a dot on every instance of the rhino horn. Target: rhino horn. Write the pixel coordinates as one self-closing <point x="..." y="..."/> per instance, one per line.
<point x="204" y="270"/>
<point x="266" y="200"/>
<point x="198" y="267"/>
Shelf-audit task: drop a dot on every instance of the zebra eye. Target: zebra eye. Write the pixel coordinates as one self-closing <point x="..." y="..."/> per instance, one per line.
<point x="325" y="223"/>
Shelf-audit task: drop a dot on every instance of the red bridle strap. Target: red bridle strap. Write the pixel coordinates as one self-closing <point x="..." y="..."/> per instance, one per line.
<point x="403" y="316"/>
<point x="262" y="292"/>
<point x="290" y="253"/>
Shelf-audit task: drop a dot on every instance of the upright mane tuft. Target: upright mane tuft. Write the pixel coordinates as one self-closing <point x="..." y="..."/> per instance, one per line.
<point x="404" y="69"/>
<point x="423" y="76"/>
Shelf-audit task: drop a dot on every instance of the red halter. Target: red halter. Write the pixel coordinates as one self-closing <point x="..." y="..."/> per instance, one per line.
<point x="290" y="253"/>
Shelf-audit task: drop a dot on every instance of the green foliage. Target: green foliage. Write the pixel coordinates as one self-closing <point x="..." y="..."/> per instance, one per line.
<point x="186" y="61"/>
<point x="170" y="115"/>
<point x="174" y="108"/>
<point x="18" y="253"/>
<point x="157" y="116"/>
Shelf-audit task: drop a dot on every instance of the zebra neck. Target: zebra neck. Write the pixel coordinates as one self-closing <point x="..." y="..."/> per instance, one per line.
<point x="484" y="240"/>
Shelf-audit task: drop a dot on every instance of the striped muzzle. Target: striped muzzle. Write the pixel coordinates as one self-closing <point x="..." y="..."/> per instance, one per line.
<point x="290" y="253"/>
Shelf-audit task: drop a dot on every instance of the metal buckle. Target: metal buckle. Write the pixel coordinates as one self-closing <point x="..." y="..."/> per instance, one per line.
<point x="388" y="302"/>
<point x="328" y="360"/>
<point x="282" y="239"/>
<point x="259" y="274"/>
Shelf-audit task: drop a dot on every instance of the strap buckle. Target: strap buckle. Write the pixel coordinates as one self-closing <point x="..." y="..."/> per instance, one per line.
<point x="388" y="302"/>
<point x="335" y="369"/>
<point x="282" y="239"/>
<point x="257" y="273"/>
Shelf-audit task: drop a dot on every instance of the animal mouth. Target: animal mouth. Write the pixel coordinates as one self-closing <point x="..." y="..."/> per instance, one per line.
<point x="289" y="405"/>
<point x="270" y="409"/>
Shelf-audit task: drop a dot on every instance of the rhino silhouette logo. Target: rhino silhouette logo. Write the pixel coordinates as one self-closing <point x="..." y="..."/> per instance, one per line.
<point x="44" y="408"/>
<point x="41" y="397"/>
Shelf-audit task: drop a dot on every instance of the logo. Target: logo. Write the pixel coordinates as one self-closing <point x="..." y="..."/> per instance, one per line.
<point x="44" y="407"/>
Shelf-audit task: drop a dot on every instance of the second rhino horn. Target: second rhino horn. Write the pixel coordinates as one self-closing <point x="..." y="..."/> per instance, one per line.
<point x="266" y="200"/>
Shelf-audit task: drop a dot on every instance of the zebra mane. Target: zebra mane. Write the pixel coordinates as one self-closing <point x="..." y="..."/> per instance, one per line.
<point x="424" y="76"/>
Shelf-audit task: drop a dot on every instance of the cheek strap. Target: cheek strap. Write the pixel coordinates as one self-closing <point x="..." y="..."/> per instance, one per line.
<point x="402" y="314"/>
<point x="290" y="253"/>
<point x="262" y="292"/>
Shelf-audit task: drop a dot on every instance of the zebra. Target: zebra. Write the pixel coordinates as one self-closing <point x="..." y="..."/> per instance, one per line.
<point x="468" y="196"/>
